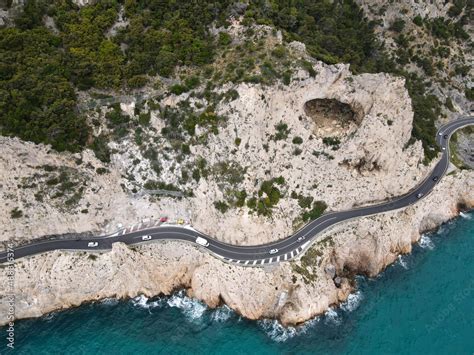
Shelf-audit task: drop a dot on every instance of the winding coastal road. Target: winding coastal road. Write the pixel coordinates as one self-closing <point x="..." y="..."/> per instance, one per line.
<point x="281" y="250"/>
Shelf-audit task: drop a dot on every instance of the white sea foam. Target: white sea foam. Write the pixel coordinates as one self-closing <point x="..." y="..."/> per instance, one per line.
<point x="465" y="215"/>
<point x="50" y="316"/>
<point x="402" y="262"/>
<point x="142" y="302"/>
<point x="221" y="314"/>
<point x="277" y="332"/>
<point x="352" y="302"/>
<point x="426" y="242"/>
<point x="109" y="301"/>
<point x="192" y="309"/>
<point x="332" y="317"/>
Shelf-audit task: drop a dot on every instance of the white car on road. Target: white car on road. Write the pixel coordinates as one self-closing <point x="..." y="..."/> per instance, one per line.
<point x="300" y="239"/>
<point x="146" y="237"/>
<point x="202" y="241"/>
<point x="274" y="251"/>
<point x="92" y="244"/>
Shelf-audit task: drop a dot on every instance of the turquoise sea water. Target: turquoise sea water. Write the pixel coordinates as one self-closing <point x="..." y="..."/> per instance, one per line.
<point x="423" y="304"/>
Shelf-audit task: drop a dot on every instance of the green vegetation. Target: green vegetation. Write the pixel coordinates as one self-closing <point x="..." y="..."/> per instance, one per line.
<point x="221" y="206"/>
<point x="318" y="209"/>
<point x="446" y="29"/>
<point x="16" y="213"/>
<point x="63" y="186"/>
<point x="457" y="7"/>
<point x="181" y="123"/>
<point x="229" y="172"/>
<point x="267" y="197"/>
<point x="311" y="210"/>
<point x="234" y="199"/>
<point x="159" y="185"/>
<point x="426" y="109"/>
<point x="334" y="142"/>
<point x="37" y="99"/>
<point x="303" y="201"/>
<point x="40" y="71"/>
<point x="449" y="104"/>
<point x="333" y="31"/>
<point x="417" y="20"/>
<point x="318" y="154"/>
<point x="398" y="25"/>
<point x="297" y="140"/>
<point x="453" y="147"/>
<point x="307" y="264"/>
<point x="101" y="171"/>
<point x="282" y="132"/>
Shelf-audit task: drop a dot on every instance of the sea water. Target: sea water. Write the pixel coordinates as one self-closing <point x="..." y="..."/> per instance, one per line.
<point x="422" y="304"/>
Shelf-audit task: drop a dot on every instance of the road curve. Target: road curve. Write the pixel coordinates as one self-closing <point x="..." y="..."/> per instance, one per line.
<point x="284" y="249"/>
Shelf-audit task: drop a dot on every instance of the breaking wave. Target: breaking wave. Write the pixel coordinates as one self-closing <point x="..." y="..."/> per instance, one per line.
<point x="426" y="242"/>
<point x="109" y="301"/>
<point x="221" y="314"/>
<point x="402" y="262"/>
<point x="332" y="317"/>
<point x="191" y="308"/>
<point x="50" y="316"/>
<point x="352" y="302"/>
<point x="465" y="215"/>
<point x="142" y="302"/>
<point x="279" y="333"/>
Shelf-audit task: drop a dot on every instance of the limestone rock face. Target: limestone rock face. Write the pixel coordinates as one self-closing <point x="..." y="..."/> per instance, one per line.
<point x="63" y="279"/>
<point x="369" y="163"/>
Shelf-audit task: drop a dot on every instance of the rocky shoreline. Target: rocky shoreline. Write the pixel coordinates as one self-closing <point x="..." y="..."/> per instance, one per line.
<point x="55" y="281"/>
<point x="328" y="137"/>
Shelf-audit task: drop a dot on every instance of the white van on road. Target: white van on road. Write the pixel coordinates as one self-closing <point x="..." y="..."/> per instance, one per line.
<point x="202" y="241"/>
<point x="92" y="244"/>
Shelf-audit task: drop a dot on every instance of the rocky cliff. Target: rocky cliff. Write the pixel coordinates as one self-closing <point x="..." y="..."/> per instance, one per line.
<point x="62" y="279"/>
<point x="244" y="164"/>
<point x="372" y="162"/>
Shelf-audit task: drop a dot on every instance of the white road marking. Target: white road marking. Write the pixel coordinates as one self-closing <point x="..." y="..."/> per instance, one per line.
<point x="291" y="255"/>
<point x="278" y="259"/>
<point x="136" y="227"/>
<point x="319" y="224"/>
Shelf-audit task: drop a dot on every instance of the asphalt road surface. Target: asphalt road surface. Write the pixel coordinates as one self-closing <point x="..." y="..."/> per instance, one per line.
<point x="258" y="255"/>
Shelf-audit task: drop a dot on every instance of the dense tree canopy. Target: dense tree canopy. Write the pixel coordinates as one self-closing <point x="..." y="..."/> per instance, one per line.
<point x="37" y="101"/>
<point x="333" y="31"/>
<point x="40" y="67"/>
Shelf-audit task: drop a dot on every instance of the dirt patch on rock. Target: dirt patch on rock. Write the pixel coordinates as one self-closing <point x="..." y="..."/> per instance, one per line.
<point x="331" y="117"/>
